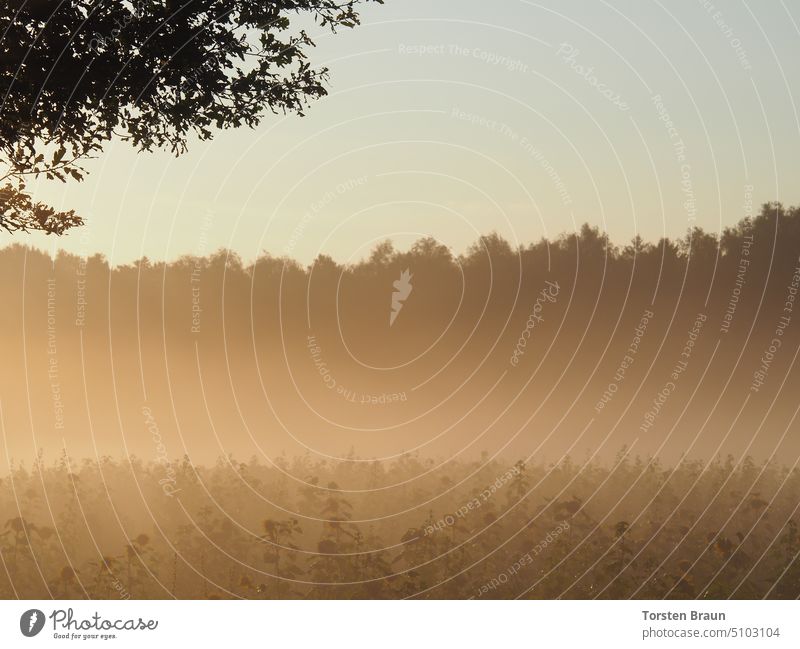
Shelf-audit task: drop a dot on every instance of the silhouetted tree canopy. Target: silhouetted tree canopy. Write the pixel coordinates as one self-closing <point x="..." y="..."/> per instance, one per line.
<point x="75" y="73"/>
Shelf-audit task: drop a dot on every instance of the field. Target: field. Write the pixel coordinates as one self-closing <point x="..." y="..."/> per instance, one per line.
<point x="409" y="528"/>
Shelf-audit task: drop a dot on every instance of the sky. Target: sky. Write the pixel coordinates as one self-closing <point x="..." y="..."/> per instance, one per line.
<point x="454" y="119"/>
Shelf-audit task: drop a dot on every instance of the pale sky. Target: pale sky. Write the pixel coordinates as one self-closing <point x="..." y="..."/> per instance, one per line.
<point x="453" y="119"/>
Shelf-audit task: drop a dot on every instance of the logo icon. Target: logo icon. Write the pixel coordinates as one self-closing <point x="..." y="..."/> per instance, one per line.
<point x="31" y="622"/>
<point x="403" y="289"/>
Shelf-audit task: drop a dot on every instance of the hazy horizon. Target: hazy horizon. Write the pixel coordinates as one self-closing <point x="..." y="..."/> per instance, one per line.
<point x="454" y="120"/>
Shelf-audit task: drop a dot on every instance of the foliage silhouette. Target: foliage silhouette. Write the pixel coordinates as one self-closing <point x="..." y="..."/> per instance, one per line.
<point x="74" y="74"/>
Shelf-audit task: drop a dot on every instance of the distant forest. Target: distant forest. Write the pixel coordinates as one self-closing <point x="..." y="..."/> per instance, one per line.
<point x="234" y="339"/>
<point x="775" y="230"/>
